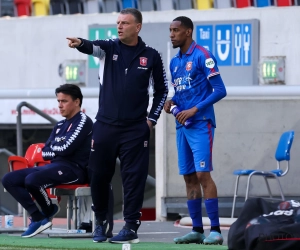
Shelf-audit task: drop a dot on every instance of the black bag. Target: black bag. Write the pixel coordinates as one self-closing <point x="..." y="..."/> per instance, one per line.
<point x="267" y="225"/>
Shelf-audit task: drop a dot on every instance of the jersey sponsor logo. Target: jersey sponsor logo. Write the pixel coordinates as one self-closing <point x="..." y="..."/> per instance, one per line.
<point x="60" y="173"/>
<point x="115" y="57"/>
<point x="209" y="63"/>
<point x="145" y="144"/>
<point x="202" y="164"/>
<point x="280" y="212"/>
<point x="69" y="127"/>
<point x="188" y="66"/>
<point x="143" y="61"/>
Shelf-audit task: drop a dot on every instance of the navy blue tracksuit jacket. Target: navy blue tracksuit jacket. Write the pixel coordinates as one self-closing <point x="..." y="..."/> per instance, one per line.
<point x="124" y="91"/>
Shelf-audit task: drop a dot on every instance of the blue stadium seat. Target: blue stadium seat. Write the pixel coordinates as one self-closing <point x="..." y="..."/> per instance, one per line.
<point x="129" y="4"/>
<point x="7" y="8"/>
<point x="263" y="3"/>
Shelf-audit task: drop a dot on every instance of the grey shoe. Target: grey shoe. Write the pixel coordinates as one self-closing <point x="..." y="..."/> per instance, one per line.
<point x="192" y="237"/>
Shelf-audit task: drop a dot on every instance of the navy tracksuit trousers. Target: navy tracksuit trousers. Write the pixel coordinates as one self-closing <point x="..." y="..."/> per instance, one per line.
<point x="131" y="144"/>
<point x="21" y="183"/>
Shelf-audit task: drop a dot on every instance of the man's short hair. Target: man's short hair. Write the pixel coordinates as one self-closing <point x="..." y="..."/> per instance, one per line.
<point x="136" y="13"/>
<point x="70" y="89"/>
<point x="185" y="21"/>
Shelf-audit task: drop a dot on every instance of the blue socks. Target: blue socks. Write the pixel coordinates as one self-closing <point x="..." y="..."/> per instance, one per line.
<point x="195" y="211"/>
<point x="213" y="213"/>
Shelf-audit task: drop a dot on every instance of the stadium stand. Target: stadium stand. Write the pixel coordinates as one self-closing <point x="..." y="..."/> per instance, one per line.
<point x="58" y="7"/>
<point x="65" y="7"/>
<point x="7" y="8"/>
<point x="40" y="7"/>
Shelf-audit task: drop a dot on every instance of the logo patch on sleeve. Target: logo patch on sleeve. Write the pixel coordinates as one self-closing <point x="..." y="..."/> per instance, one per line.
<point x="209" y="63"/>
<point x="202" y="164"/>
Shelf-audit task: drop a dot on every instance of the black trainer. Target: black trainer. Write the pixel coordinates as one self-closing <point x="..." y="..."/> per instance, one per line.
<point x="126" y="235"/>
<point x="100" y="233"/>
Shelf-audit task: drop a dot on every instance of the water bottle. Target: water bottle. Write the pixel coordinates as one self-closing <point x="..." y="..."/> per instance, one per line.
<point x="175" y="110"/>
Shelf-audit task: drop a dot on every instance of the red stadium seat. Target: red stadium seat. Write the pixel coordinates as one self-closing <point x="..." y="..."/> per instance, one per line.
<point x="243" y="3"/>
<point x="23" y="7"/>
<point x="282" y="3"/>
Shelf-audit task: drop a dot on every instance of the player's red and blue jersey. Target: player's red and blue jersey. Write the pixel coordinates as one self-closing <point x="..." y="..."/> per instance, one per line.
<point x="194" y="82"/>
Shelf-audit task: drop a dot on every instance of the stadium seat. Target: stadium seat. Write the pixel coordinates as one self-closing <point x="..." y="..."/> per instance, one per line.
<point x="220" y="4"/>
<point x="73" y="192"/>
<point x="263" y="3"/>
<point x="166" y="5"/>
<point x="23" y="7"/>
<point x="282" y="3"/>
<point x="75" y="6"/>
<point x="40" y="7"/>
<point x="243" y="3"/>
<point x="147" y="5"/>
<point x="58" y="7"/>
<point x="91" y="6"/>
<point x="282" y="154"/>
<point x="129" y="4"/>
<point x="184" y="4"/>
<point x="205" y="4"/>
<point x="109" y="6"/>
<point x="7" y="8"/>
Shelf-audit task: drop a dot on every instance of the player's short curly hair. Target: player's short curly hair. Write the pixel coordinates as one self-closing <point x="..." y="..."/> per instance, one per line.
<point x="185" y="21"/>
<point x="70" y="89"/>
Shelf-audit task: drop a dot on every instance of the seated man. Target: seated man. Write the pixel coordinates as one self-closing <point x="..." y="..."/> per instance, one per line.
<point x="68" y="148"/>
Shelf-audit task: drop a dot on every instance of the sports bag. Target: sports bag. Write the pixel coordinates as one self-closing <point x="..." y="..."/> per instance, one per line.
<point x="266" y="225"/>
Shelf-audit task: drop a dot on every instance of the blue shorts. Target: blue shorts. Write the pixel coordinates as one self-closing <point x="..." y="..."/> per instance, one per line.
<point x="194" y="146"/>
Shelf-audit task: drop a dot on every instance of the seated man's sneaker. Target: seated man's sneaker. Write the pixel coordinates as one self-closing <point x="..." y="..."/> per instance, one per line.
<point x="126" y="235"/>
<point x="192" y="237"/>
<point x="100" y="233"/>
<point x="214" y="238"/>
<point x="36" y="227"/>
